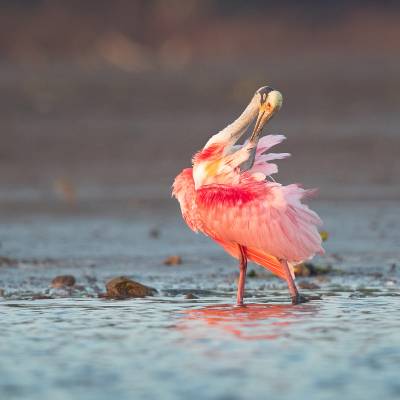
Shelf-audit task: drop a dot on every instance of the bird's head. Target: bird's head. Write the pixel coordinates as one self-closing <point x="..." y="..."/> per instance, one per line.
<point x="270" y="101"/>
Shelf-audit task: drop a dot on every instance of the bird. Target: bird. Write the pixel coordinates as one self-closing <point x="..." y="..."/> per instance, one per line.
<point x="229" y="195"/>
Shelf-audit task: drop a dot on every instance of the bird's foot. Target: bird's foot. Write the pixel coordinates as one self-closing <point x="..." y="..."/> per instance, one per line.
<point x="299" y="298"/>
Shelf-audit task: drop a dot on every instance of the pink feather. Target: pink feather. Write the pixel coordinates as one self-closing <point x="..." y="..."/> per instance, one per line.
<point x="267" y="218"/>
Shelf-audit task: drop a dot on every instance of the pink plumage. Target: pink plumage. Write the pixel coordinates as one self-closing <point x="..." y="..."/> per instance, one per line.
<point x="245" y="211"/>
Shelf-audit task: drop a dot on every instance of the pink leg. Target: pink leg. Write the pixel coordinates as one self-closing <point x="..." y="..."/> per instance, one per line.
<point x="296" y="297"/>
<point x="242" y="276"/>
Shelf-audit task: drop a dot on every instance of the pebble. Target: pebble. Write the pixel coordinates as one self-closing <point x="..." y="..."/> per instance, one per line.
<point x="40" y="296"/>
<point x="63" y="281"/>
<point x="154" y="233"/>
<point x="7" y="262"/>
<point x="309" y="269"/>
<point x="315" y="297"/>
<point x="308" y="285"/>
<point x="190" y="296"/>
<point x="124" y="288"/>
<point x="252" y="274"/>
<point x="173" y="260"/>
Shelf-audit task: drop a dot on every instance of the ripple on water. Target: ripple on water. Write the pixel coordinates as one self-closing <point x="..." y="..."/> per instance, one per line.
<point x="171" y="347"/>
<point x="75" y="345"/>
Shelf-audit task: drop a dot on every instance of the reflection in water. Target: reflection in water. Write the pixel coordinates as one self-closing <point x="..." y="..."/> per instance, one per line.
<point x="251" y="322"/>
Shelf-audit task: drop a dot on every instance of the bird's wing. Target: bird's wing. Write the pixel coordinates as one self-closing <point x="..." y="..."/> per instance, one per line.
<point x="261" y="215"/>
<point x="261" y="161"/>
<point x="183" y="190"/>
<point x="261" y="165"/>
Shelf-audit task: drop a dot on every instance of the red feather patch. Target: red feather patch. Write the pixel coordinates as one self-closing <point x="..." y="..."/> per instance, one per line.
<point x="210" y="152"/>
<point x="226" y="195"/>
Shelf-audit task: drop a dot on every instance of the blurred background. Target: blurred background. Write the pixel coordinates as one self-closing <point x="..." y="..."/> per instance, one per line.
<point x="102" y="102"/>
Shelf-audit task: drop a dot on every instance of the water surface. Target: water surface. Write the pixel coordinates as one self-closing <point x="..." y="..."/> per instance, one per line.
<point x="68" y="343"/>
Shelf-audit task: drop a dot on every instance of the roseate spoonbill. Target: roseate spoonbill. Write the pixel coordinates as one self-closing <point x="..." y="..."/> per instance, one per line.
<point x="229" y="195"/>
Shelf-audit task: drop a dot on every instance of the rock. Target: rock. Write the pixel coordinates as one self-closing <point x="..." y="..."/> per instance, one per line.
<point x="2" y="292"/>
<point x="124" y="288"/>
<point x="7" y="262"/>
<point x="315" y="297"/>
<point x="308" y="285"/>
<point x="252" y="274"/>
<point x="310" y="269"/>
<point x="154" y="233"/>
<point x="63" y="281"/>
<point x="173" y="260"/>
<point x="367" y="290"/>
<point x="40" y="296"/>
<point x="376" y="274"/>
<point x="301" y="270"/>
<point x="190" y="296"/>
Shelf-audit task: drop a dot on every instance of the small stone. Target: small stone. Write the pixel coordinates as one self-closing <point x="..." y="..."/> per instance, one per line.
<point x="301" y="270"/>
<point x="310" y="269"/>
<point x="308" y="285"/>
<point x="7" y="262"/>
<point x="367" y="290"/>
<point x="190" y="296"/>
<point x="124" y="288"/>
<point x="63" y="281"/>
<point x="40" y="296"/>
<point x="252" y="274"/>
<point x="2" y="292"/>
<point x="315" y="297"/>
<point x="154" y="233"/>
<point x="377" y="274"/>
<point x="173" y="260"/>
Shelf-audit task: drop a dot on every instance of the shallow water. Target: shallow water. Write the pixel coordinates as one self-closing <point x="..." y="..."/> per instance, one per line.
<point x="163" y="348"/>
<point x="71" y="344"/>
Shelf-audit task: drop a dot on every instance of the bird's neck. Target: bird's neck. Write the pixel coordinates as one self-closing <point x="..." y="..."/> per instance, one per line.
<point x="232" y="133"/>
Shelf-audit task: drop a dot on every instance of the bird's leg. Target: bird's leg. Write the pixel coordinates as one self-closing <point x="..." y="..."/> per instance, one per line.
<point x="242" y="275"/>
<point x="297" y="298"/>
